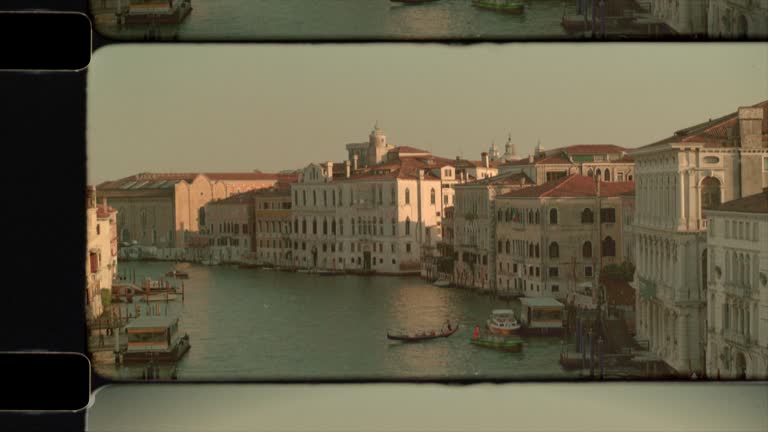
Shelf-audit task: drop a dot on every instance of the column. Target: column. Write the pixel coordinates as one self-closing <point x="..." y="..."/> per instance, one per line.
<point x="681" y="217"/>
<point x="682" y="340"/>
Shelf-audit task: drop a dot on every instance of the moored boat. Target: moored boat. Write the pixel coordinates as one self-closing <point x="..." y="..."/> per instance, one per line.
<point x="508" y="345"/>
<point x="139" y="12"/>
<point x="424" y="335"/>
<point x="542" y="316"/>
<point x="155" y="339"/>
<point x="502" y="6"/>
<point x="503" y="322"/>
<point x="178" y="274"/>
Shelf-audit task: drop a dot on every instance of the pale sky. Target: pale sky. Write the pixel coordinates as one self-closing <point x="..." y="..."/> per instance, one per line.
<point x="218" y="107"/>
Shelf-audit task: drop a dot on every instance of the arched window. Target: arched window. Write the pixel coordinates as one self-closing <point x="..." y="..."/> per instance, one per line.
<point x="314" y="226"/>
<point x="333" y="198"/>
<point x="500" y="215"/>
<point x="303" y="226"/>
<point x="296" y="198"/>
<point x="407" y="225"/>
<point x="587" y="216"/>
<point x="537" y="218"/>
<point x="598" y="173"/>
<point x="325" y="227"/>
<point x="586" y="250"/>
<point x="295" y="225"/>
<point x="530" y="216"/>
<point x="553" y="217"/>
<point x="394" y="227"/>
<point x="507" y="246"/>
<point x="325" y="198"/>
<point x="590" y="172"/>
<point x="537" y="250"/>
<point x="710" y="192"/>
<point x="353" y="226"/>
<point x="499" y="247"/>
<point x="554" y="250"/>
<point x="381" y="226"/>
<point x="609" y="247"/>
<point x="304" y="197"/>
<point x="341" y="226"/>
<point x="607" y="175"/>
<point x="432" y="196"/>
<point x="314" y="198"/>
<point x="407" y="196"/>
<point x="530" y="250"/>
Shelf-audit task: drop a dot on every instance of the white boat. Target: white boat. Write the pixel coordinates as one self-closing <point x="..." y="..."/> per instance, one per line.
<point x="503" y="322"/>
<point x="442" y="283"/>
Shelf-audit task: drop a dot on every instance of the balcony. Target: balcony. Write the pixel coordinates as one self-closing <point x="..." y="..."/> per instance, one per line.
<point x="737" y="290"/>
<point x="737" y="338"/>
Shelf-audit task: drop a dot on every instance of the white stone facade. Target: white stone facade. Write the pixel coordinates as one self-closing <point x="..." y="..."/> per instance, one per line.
<point x="737" y="19"/>
<point x="101" y="253"/>
<point x="737" y="307"/>
<point x="698" y="167"/>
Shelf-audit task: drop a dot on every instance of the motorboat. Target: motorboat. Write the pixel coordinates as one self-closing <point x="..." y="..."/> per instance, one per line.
<point x="503" y="322"/>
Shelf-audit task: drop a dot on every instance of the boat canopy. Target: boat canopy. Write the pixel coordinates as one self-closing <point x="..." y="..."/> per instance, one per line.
<point x="151" y="322"/>
<point x="540" y="302"/>
<point x="503" y="312"/>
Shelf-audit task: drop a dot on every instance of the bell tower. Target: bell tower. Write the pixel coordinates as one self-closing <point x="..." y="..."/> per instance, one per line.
<point x="377" y="145"/>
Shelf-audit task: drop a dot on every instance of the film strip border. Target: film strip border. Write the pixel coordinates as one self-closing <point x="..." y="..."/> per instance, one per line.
<point x="44" y="382"/>
<point x="44" y="41"/>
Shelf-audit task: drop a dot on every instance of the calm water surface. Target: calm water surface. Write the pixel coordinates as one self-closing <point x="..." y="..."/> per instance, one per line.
<point x="256" y="324"/>
<point x="289" y="19"/>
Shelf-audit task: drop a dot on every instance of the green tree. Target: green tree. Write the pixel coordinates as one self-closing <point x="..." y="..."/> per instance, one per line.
<point x="623" y="272"/>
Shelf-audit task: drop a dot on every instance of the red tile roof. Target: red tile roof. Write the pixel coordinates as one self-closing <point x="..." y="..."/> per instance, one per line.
<point x="757" y="203"/>
<point x="154" y="180"/>
<point x="714" y="133"/>
<point x="407" y="149"/>
<point x="589" y="149"/>
<point x="573" y="186"/>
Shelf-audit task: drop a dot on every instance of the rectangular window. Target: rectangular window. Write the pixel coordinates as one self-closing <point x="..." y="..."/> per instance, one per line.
<point x="408" y="247"/>
<point x="555" y="288"/>
<point x="554" y="272"/>
<point x="620" y="177"/>
<point x="588" y="271"/>
<point x="538" y="273"/>
<point x="608" y="215"/>
<point x="514" y="268"/>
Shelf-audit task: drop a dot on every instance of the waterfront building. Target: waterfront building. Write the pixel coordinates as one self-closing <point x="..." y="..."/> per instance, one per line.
<point x="272" y="225"/>
<point x="229" y="225"/>
<point x="379" y="211"/>
<point x="608" y="162"/>
<point x="737" y="288"/>
<point x="101" y="252"/>
<point x="745" y="19"/>
<point x="685" y="17"/>
<point x="552" y="240"/>
<point x="698" y="167"/>
<point x="163" y="210"/>
<point x="373" y="219"/>
<point x="474" y="228"/>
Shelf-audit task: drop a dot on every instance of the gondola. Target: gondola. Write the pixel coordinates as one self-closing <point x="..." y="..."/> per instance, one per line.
<point x="435" y="335"/>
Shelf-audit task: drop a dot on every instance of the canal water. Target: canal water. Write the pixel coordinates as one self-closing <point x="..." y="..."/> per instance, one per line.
<point x="257" y="324"/>
<point x="352" y="19"/>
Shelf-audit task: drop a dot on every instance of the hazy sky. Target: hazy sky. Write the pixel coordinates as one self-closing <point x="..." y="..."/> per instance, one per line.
<point x="272" y="107"/>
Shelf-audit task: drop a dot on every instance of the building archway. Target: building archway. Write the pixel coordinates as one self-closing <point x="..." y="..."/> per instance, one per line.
<point x="742" y="27"/>
<point x="740" y="363"/>
<point x="710" y="192"/>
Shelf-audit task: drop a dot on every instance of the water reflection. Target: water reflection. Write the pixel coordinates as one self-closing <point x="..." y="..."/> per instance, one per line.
<point x="252" y="324"/>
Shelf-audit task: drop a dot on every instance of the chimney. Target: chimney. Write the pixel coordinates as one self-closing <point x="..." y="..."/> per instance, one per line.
<point x="750" y="127"/>
<point x="530" y="158"/>
<point x="354" y="162"/>
<point x="347" y="165"/>
<point x="421" y="174"/>
<point x="330" y="170"/>
<point x="485" y="159"/>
